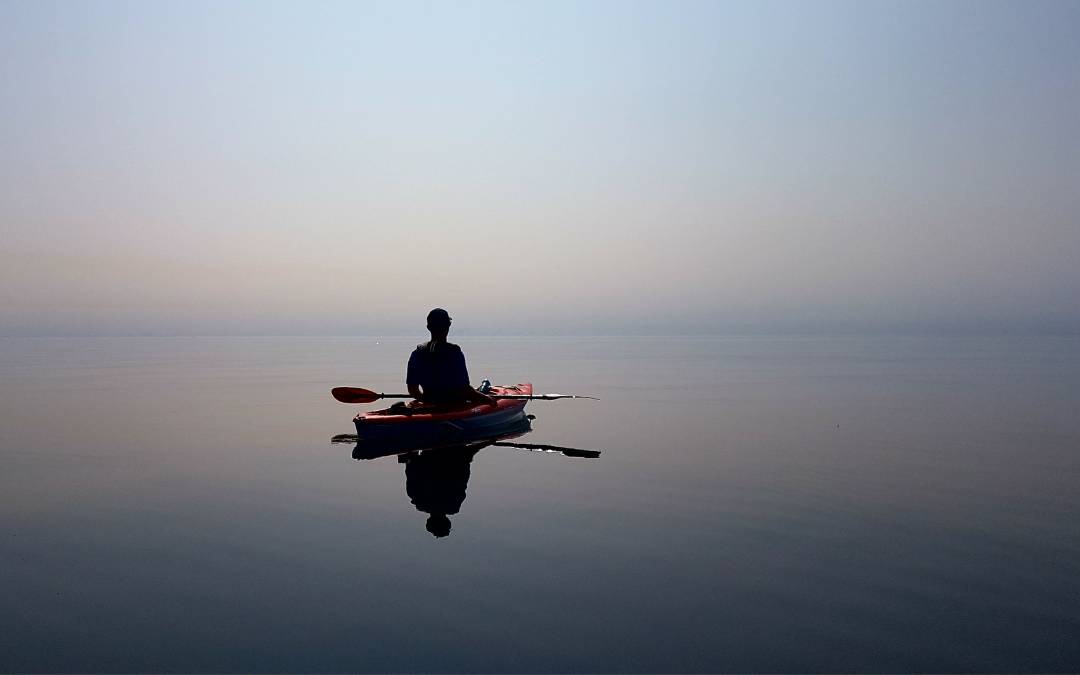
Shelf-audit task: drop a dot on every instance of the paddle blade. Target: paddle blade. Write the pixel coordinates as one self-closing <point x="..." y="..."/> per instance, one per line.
<point x="354" y="395"/>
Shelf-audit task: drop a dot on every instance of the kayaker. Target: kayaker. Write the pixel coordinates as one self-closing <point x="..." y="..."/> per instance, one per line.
<point x="437" y="372"/>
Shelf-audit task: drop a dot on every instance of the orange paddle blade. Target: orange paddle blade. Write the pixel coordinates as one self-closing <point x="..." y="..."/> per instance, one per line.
<point x="354" y="395"/>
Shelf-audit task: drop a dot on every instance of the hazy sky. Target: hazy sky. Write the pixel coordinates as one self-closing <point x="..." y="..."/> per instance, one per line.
<point x="587" y="167"/>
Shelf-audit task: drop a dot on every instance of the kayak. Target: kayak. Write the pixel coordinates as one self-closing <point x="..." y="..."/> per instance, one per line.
<point x="425" y="425"/>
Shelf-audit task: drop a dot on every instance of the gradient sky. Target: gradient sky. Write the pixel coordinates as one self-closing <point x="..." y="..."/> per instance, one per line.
<point x="580" y="167"/>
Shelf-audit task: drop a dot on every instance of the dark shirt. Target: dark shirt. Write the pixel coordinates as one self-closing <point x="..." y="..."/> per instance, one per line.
<point x="439" y="368"/>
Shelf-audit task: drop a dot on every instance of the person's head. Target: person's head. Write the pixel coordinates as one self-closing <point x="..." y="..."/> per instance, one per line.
<point x="438" y="524"/>
<point x="438" y="322"/>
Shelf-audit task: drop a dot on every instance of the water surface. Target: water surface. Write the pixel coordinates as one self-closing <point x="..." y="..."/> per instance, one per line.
<point x="760" y="504"/>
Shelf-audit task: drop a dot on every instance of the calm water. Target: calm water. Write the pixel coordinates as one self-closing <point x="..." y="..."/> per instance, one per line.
<point x="870" y="504"/>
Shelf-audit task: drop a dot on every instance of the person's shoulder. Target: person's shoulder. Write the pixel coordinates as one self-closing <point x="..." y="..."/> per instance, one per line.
<point x="441" y="347"/>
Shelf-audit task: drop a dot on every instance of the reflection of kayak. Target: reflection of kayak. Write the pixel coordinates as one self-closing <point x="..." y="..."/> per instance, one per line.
<point x="387" y="447"/>
<point x="422" y="425"/>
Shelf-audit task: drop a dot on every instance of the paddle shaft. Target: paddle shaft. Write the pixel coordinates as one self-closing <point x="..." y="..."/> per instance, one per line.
<point x="523" y="397"/>
<point x="358" y="395"/>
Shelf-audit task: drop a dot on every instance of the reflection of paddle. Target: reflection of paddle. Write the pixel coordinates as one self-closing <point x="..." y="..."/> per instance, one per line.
<point x="569" y="452"/>
<point x="534" y="447"/>
<point x="358" y="395"/>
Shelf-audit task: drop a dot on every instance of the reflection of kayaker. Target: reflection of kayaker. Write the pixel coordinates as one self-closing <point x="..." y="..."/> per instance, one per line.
<point x="436" y="480"/>
<point x="437" y="372"/>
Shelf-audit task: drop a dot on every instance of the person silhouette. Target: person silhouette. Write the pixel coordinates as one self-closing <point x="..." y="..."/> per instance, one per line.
<point x="437" y="372"/>
<point x="436" y="481"/>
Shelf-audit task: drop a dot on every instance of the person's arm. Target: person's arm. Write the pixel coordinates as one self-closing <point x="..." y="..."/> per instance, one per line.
<point x="477" y="397"/>
<point x="412" y="377"/>
<point x="467" y="391"/>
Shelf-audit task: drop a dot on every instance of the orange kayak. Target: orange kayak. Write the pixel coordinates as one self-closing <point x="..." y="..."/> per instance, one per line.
<point x="418" y="424"/>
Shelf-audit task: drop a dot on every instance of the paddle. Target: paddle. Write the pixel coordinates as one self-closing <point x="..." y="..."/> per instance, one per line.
<point x="358" y="395"/>
<point x="569" y="452"/>
<point x="532" y="447"/>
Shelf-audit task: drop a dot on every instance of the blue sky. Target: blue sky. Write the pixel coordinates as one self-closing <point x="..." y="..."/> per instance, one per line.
<point x="178" y="168"/>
